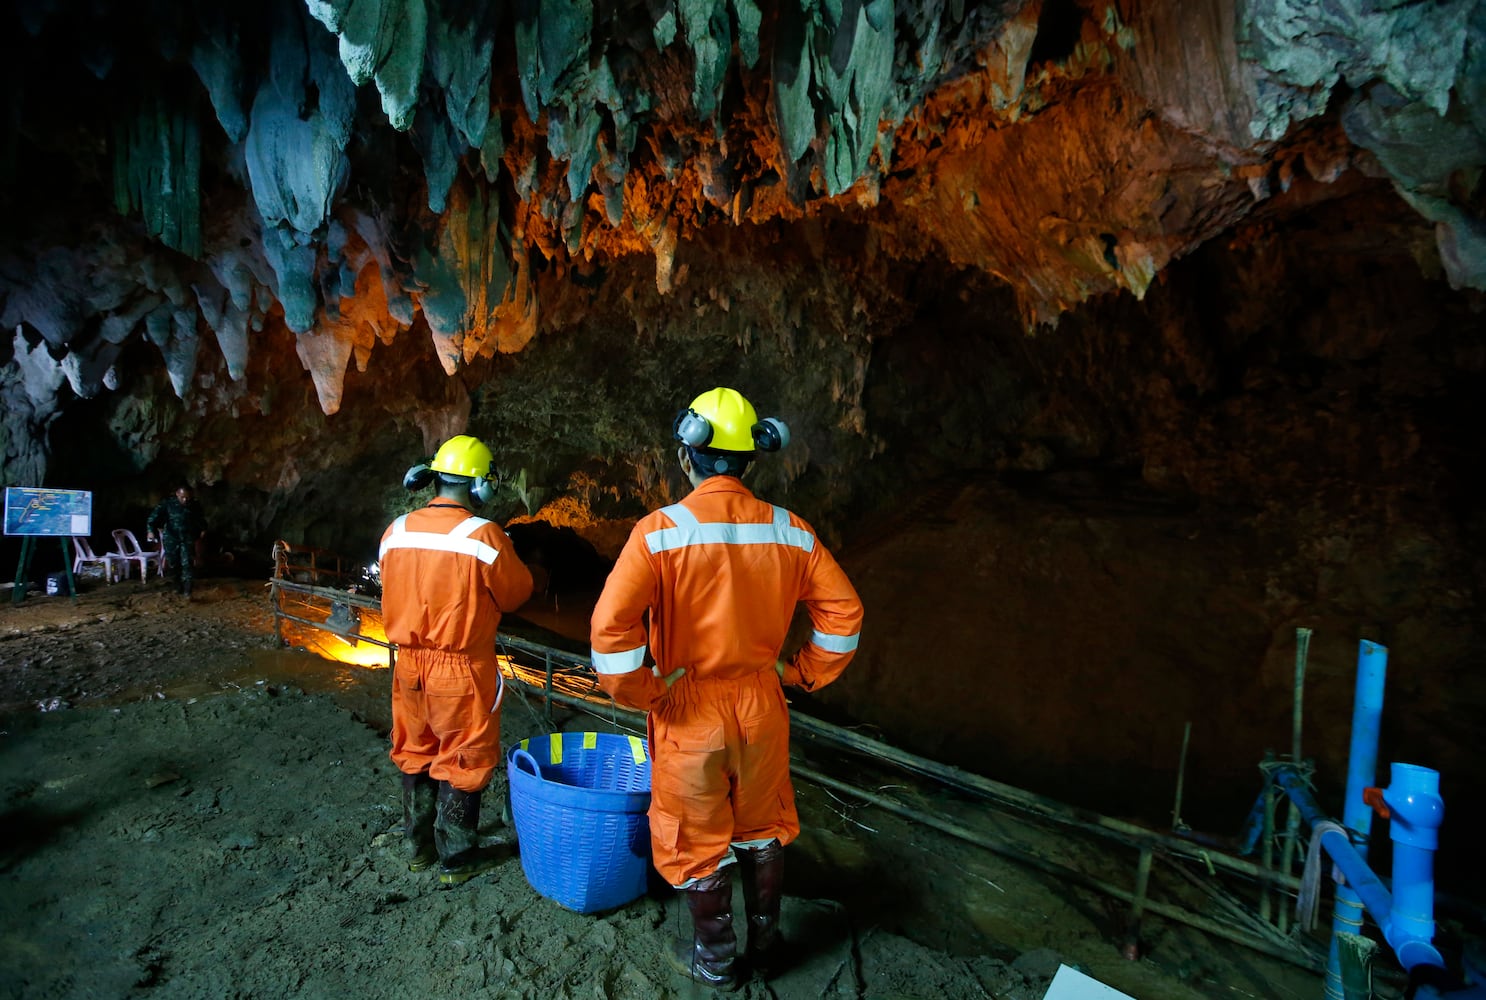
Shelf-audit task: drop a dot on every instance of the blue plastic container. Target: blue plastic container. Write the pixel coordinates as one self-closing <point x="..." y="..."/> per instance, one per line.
<point x="579" y="803"/>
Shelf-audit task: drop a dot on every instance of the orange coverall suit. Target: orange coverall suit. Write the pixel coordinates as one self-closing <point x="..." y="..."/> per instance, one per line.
<point x="720" y="574"/>
<point x="447" y="576"/>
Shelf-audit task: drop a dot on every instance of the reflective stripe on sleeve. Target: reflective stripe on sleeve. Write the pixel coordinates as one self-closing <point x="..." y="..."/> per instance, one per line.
<point x="618" y="663"/>
<point x="689" y="531"/>
<point x="835" y="643"/>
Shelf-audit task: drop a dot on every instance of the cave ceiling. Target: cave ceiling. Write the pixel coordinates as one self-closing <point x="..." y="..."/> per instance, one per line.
<point x="227" y="194"/>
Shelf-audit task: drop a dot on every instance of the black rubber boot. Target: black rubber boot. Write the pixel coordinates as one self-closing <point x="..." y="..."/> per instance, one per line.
<point x="419" y="803"/>
<point x="710" y="957"/>
<point x="762" y="872"/>
<point x="456" y="834"/>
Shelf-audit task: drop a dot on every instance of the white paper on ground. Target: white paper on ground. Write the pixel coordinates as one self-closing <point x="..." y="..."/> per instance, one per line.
<point x="1070" y="984"/>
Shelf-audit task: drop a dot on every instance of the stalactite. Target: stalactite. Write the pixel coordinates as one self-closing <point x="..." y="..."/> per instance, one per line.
<point x="157" y="168"/>
<point x="459" y="52"/>
<point x="381" y="41"/>
<point x="295" y="151"/>
<point x="216" y="56"/>
<point x="552" y="49"/>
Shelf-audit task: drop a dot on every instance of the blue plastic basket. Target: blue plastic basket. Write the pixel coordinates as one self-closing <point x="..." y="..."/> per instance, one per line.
<point x="579" y="802"/>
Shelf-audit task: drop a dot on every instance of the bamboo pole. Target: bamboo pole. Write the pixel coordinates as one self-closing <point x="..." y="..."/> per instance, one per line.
<point x="1266" y="849"/>
<point x="1181" y="778"/>
<point x="1138" y="905"/>
<point x="1292" y="817"/>
<point x="1062" y="873"/>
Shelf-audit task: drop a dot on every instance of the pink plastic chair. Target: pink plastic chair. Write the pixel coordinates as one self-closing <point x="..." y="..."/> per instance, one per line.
<point x="129" y="551"/>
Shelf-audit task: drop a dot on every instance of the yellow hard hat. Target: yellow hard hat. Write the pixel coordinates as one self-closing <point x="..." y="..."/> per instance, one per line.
<point x="719" y="420"/>
<point x="463" y="456"/>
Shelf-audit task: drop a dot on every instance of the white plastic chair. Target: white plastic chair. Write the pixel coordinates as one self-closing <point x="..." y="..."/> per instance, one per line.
<point x="129" y="550"/>
<point x="85" y="556"/>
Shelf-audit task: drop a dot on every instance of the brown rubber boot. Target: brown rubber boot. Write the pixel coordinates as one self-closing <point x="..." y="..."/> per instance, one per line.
<point x="710" y="957"/>
<point x="762" y="871"/>
<point x="419" y="795"/>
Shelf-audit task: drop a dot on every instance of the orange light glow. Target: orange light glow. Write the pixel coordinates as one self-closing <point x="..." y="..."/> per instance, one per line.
<point x="329" y="646"/>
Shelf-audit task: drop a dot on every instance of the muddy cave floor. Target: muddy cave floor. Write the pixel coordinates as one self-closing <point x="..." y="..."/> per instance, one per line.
<point x="191" y="810"/>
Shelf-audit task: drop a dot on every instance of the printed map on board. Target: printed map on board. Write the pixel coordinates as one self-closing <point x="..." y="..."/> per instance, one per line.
<point x="36" y="511"/>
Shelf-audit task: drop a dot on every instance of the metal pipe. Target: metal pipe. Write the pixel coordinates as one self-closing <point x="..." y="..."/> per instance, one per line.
<point x="547" y="704"/>
<point x="333" y="631"/>
<point x="329" y="593"/>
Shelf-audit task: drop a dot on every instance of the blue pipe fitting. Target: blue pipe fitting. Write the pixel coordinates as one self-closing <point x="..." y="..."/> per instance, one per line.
<point x="1416" y="812"/>
<point x="1415" y="806"/>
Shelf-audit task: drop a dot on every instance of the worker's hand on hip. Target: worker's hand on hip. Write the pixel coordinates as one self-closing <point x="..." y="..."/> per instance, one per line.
<point x="672" y="677"/>
<point x="779" y="668"/>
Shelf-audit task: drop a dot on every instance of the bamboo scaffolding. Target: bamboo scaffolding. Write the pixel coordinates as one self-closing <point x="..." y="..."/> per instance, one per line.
<point x="1107" y="826"/>
<point x="1290" y="954"/>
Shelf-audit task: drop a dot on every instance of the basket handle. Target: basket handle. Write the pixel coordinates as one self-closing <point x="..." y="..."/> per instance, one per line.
<point x="526" y="762"/>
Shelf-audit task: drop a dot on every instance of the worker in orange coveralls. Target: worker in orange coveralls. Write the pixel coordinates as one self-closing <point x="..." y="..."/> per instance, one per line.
<point x="447" y="576"/>
<point x="720" y="575"/>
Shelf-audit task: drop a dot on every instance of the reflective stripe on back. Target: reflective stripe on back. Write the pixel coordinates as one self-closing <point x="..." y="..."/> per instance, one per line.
<point x="458" y="540"/>
<point x="689" y="531"/>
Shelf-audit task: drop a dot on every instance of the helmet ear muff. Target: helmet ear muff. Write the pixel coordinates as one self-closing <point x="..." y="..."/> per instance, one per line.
<point x="417" y="477"/>
<point x="692" y="429"/>
<point x="770" y="434"/>
<point x="482" y="491"/>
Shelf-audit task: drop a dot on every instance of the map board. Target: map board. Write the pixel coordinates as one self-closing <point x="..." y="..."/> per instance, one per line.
<point x="35" y="511"/>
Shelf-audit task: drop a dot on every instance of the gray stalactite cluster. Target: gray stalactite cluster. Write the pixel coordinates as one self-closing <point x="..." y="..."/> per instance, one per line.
<point x="295" y="197"/>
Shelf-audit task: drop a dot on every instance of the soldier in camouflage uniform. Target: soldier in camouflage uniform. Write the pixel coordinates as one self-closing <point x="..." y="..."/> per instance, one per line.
<point x="179" y="522"/>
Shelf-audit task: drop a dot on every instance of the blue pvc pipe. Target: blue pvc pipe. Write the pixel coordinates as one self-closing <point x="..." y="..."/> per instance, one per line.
<point x="1366" y="886"/>
<point x="1253" y="827"/>
<point x="1362" y="772"/>
<point x="1362" y="760"/>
